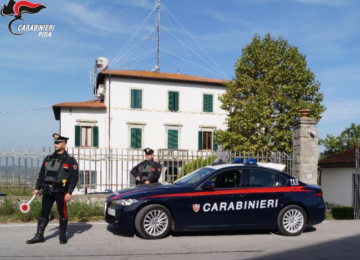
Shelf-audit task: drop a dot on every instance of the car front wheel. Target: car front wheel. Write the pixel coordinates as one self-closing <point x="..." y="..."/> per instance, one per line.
<point x="291" y="221"/>
<point x="153" y="222"/>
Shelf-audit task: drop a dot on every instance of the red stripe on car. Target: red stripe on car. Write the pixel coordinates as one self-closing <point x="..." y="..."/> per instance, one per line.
<point x="235" y="191"/>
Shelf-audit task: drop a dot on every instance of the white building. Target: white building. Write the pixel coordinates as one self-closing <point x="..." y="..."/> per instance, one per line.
<point x="337" y="179"/>
<point x="138" y="109"/>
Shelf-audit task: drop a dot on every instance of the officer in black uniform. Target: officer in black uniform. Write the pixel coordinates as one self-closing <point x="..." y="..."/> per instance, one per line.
<point x="58" y="178"/>
<point x="147" y="171"/>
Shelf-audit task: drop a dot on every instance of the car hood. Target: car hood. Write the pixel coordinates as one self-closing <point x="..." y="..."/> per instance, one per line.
<point x="142" y="190"/>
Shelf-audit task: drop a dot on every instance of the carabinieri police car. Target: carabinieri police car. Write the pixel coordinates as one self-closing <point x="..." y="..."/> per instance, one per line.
<point x="222" y="197"/>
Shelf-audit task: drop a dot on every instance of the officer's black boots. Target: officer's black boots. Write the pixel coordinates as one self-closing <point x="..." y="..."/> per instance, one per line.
<point x="62" y="230"/>
<point x="39" y="237"/>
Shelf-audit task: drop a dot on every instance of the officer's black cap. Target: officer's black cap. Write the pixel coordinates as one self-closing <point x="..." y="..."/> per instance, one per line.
<point x="148" y="151"/>
<point x="58" y="138"/>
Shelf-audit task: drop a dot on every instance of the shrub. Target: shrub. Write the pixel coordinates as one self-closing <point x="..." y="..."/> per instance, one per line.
<point x="81" y="210"/>
<point x="342" y="212"/>
<point x="7" y="208"/>
<point x="196" y="164"/>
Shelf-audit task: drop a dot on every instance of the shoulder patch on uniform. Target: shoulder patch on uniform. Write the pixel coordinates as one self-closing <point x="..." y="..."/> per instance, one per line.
<point x="75" y="166"/>
<point x="159" y="169"/>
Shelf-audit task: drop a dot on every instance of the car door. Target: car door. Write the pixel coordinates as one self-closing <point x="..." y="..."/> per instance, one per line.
<point x="215" y="209"/>
<point x="264" y="194"/>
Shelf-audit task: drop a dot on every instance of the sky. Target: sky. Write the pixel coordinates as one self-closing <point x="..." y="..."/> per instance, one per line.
<point x="198" y="37"/>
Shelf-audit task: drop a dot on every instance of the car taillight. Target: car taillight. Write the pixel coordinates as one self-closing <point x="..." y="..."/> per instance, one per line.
<point x="318" y="194"/>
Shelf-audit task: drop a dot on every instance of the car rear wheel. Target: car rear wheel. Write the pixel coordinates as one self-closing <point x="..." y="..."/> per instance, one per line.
<point x="153" y="222"/>
<point x="291" y="221"/>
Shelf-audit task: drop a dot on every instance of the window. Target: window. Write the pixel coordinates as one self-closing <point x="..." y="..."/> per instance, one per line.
<point x="280" y="180"/>
<point x="207" y="103"/>
<point x="261" y="178"/>
<point x="173" y="139"/>
<point x="227" y="179"/>
<point x="206" y="141"/>
<point x="85" y="178"/>
<point x="135" y="141"/>
<point x="136" y="98"/>
<point x="173" y="101"/>
<point x="86" y="136"/>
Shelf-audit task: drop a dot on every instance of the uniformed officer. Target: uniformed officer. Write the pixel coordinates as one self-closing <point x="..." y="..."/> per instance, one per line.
<point x="147" y="171"/>
<point x="58" y="178"/>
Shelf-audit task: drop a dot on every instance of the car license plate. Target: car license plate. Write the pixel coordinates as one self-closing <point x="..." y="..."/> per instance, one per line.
<point x="111" y="212"/>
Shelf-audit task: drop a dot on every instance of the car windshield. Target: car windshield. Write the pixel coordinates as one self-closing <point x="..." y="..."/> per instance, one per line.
<point x="195" y="176"/>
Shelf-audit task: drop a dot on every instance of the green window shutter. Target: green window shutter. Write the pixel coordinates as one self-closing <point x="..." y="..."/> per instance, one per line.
<point x="215" y="146"/>
<point x="133" y="98"/>
<point x="96" y="136"/>
<point x="135" y="138"/>
<point x="81" y="178"/>
<point x="77" y="136"/>
<point x="200" y="140"/>
<point x="139" y="99"/>
<point x="138" y="139"/>
<point x="136" y="98"/>
<point x="171" y="100"/>
<point x="208" y="103"/>
<point x="176" y="101"/>
<point x="93" y="179"/>
<point x="173" y="139"/>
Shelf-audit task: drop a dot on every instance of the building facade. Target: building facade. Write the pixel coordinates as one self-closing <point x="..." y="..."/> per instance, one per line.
<point x="138" y="109"/>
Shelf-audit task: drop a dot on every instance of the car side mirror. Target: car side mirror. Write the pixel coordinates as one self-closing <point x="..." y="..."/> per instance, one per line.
<point x="208" y="185"/>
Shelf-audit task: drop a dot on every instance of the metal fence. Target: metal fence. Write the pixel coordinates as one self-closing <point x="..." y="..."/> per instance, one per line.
<point x="102" y="168"/>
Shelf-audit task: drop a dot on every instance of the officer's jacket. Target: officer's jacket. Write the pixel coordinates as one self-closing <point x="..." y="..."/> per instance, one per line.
<point x="147" y="171"/>
<point x="60" y="171"/>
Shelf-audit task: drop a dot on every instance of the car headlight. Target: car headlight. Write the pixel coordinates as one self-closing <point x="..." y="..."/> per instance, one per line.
<point x="124" y="202"/>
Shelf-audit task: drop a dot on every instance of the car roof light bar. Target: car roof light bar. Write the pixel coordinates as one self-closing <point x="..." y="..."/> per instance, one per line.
<point x="250" y="161"/>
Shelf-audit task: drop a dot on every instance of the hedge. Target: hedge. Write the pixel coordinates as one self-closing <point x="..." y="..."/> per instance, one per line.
<point x="342" y="212"/>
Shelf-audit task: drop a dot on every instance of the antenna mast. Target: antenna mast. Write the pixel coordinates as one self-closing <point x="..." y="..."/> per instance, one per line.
<point x="158" y="27"/>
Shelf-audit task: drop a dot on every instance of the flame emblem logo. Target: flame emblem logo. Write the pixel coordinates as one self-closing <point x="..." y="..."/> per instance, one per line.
<point x="17" y="9"/>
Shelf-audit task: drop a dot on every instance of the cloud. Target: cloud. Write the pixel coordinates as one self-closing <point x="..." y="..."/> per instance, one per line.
<point x="89" y="16"/>
<point x="334" y="3"/>
<point x="340" y="81"/>
<point x="342" y="110"/>
<point x="145" y="4"/>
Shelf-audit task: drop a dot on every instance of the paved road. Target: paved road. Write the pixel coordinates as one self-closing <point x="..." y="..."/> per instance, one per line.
<point x="329" y="240"/>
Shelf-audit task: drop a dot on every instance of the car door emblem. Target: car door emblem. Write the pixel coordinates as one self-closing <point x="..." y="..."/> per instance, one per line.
<point x="196" y="207"/>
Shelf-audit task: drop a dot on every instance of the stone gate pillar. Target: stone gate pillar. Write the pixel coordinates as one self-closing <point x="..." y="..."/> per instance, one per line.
<point x="305" y="148"/>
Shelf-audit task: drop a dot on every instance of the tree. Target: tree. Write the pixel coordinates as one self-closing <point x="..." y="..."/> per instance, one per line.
<point x="272" y="82"/>
<point x="348" y="139"/>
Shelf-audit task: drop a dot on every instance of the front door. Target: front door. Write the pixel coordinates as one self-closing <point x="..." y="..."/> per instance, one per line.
<point x="216" y="209"/>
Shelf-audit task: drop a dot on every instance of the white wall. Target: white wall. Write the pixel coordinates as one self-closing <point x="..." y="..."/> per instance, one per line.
<point x="155" y="118"/>
<point x="69" y="119"/>
<point x="337" y="185"/>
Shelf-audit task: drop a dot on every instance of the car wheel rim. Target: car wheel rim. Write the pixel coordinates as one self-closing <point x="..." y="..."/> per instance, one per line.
<point x="293" y="221"/>
<point x="156" y="222"/>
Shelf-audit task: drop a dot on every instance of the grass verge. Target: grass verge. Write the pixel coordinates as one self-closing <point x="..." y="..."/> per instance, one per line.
<point x="77" y="209"/>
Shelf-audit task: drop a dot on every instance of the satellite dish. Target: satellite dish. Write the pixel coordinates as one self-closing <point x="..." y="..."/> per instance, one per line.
<point x="101" y="63"/>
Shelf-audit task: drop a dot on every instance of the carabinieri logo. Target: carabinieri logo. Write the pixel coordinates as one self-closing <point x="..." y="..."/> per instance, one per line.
<point x="17" y="9"/>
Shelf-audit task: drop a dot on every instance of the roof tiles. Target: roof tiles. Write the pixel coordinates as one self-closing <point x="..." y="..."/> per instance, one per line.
<point x="162" y="76"/>
<point x="346" y="157"/>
